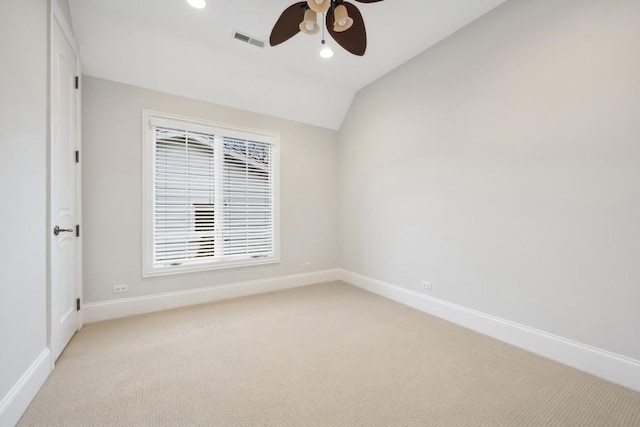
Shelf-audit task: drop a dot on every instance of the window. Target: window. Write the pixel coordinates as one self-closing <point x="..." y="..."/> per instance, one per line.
<point x="210" y="196"/>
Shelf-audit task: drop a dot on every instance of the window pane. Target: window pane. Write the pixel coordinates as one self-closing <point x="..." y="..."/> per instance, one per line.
<point x="213" y="199"/>
<point x="248" y="199"/>
<point x="184" y="197"/>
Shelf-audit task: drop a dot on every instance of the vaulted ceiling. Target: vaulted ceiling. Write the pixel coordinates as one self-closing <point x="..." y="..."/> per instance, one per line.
<point x="167" y="45"/>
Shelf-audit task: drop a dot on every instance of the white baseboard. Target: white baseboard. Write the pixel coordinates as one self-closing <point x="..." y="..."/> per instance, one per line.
<point x="95" y="312"/>
<point x="604" y="364"/>
<point x="22" y="393"/>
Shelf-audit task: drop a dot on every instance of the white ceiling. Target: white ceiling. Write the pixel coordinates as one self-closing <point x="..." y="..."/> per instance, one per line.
<point x="169" y="46"/>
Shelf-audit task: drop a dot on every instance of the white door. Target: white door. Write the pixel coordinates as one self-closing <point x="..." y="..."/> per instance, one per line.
<point x="64" y="210"/>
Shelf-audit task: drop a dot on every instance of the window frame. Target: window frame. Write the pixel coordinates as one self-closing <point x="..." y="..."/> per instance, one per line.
<point x="154" y="118"/>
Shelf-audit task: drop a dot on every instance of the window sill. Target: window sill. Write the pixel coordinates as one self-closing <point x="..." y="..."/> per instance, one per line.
<point x="194" y="268"/>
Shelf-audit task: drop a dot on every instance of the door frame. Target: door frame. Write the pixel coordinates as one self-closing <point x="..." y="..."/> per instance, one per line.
<point x="58" y="18"/>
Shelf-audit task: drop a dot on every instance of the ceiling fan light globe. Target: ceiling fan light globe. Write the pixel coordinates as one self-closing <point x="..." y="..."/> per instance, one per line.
<point x="319" y="6"/>
<point x="342" y="20"/>
<point x="309" y="25"/>
<point x="342" y="28"/>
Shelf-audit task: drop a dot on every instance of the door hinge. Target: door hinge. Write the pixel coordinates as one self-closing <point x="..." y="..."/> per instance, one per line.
<point x="78" y="304"/>
<point x="77" y="156"/>
<point x="77" y="82"/>
<point x="78" y="230"/>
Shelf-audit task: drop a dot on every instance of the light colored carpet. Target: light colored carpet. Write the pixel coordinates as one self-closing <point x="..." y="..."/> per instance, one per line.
<point x="324" y="355"/>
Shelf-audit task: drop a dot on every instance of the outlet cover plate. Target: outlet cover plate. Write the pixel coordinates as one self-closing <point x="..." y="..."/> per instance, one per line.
<point x="120" y="289"/>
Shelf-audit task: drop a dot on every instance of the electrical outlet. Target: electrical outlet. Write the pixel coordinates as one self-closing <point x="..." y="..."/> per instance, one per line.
<point x="120" y="289"/>
<point x="426" y="285"/>
<point x="306" y="265"/>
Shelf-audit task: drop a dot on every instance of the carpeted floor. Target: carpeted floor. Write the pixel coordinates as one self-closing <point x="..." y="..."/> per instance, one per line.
<point x="323" y="355"/>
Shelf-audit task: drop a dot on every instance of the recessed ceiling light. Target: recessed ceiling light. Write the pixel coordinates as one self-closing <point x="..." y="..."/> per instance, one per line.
<point x="326" y="52"/>
<point x="198" y="4"/>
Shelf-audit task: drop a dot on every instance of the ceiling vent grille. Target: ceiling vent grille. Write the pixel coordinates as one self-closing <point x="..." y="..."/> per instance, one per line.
<point x="248" y="39"/>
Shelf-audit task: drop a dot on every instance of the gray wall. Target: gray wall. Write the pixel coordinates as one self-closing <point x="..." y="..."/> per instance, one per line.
<point x="23" y="187"/>
<point x="503" y="165"/>
<point x="112" y="191"/>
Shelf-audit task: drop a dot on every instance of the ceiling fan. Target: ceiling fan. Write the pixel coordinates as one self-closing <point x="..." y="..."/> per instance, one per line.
<point x="343" y="20"/>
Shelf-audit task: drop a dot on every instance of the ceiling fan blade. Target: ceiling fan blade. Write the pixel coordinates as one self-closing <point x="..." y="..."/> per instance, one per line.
<point x="288" y="24"/>
<point x="354" y="40"/>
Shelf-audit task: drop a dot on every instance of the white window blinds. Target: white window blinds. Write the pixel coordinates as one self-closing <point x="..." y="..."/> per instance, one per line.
<point x="212" y="199"/>
<point x="184" y="203"/>
<point x="247" y="213"/>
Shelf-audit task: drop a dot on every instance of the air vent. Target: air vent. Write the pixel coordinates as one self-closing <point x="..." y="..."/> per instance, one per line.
<point x="248" y="39"/>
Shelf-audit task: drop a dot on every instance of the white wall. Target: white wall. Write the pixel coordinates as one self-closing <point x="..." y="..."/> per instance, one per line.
<point x="23" y="191"/>
<point x="503" y="166"/>
<point x="112" y="191"/>
<point x="66" y="11"/>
